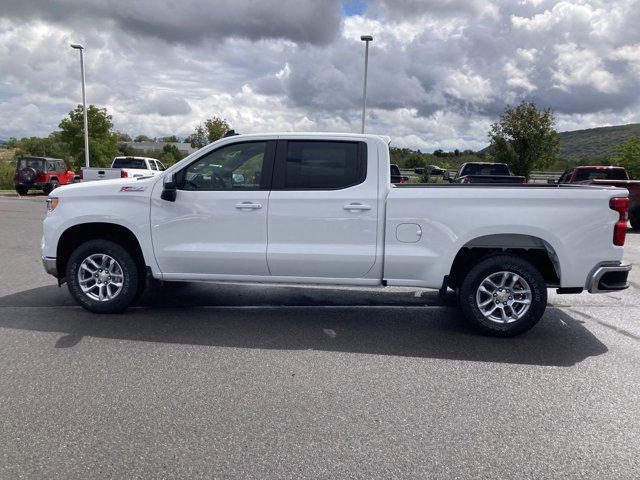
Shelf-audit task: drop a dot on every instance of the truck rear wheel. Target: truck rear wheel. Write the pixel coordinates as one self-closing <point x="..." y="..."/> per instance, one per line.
<point x="503" y="295"/>
<point x="102" y="276"/>
<point x="21" y="190"/>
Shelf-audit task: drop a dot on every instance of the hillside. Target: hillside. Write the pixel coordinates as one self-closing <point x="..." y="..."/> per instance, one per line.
<point x="591" y="145"/>
<point x="595" y="143"/>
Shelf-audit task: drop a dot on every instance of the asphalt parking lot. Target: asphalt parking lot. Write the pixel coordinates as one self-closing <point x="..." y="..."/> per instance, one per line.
<point x="251" y="381"/>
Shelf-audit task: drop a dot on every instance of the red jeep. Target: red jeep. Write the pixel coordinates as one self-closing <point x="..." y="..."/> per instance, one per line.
<point x="41" y="173"/>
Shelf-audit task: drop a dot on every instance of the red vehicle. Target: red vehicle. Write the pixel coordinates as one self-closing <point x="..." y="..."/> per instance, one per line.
<point x="41" y="173"/>
<point x="614" y="176"/>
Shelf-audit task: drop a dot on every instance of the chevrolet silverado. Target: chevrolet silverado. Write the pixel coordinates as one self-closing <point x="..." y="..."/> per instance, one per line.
<point x="320" y="209"/>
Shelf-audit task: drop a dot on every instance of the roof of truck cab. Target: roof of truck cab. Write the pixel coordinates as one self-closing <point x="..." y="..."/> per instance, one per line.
<point x="599" y="167"/>
<point x="384" y="138"/>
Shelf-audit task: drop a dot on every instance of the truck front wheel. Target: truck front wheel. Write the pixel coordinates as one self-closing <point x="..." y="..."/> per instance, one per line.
<point x="102" y="276"/>
<point x="503" y="295"/>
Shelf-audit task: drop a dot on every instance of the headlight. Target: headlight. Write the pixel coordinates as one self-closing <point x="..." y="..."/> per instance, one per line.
<point x="52" y="203"/>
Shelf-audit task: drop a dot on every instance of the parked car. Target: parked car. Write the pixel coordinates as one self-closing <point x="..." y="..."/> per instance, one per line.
<point x="320" y="209"/>
<point x="396" y="175"/>
<point x="124" y="167"/>
<point x="607" y="175"/>
<point x="484" y="172"/>
<point x="41" y="173"/>
<point x="434" y="170"/>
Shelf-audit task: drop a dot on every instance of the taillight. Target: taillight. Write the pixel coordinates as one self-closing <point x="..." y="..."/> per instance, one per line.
<point x="123" y="174"/>
<point x="81" y="175"/>
<point x="401" y="180"/>
<point x="523" y="180"/>
<point x="467" y="180"/>
<point x="619" y="204"/>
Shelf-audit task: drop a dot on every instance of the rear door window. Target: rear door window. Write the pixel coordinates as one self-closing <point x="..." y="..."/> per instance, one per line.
<point x="321" y="165"/>
<point x="128" y="162"/>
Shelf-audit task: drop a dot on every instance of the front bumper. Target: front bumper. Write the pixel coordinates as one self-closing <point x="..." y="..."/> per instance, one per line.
<point x="608" y="278"/>
<point x="50" y="265"/>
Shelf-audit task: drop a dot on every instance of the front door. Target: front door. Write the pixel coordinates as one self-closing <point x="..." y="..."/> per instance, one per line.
<point x="218" y="222"/>
<point x="323" y="210"/>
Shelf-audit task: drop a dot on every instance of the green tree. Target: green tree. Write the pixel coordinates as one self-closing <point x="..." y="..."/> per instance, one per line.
<point x="51" y="146"/>
<point x="170" y="155"/>
<point x="143" y="138"/>
<point x="123" y="137"/>
<point x="628" y="156"/>
<point x="197" y="139"/>
<point x="524" y="138"/>
<point x="103" y="143"/>
<point x="216" y="128"/>
<point x="415" y="161"/>
<point x="170" y="139"/>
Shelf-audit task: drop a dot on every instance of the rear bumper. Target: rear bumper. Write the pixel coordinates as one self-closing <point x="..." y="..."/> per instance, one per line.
<point x="608" y="278"/>
<point x="50" y="265"/>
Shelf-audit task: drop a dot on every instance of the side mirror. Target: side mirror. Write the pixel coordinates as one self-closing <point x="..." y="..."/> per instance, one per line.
<point x="169" y="189"/>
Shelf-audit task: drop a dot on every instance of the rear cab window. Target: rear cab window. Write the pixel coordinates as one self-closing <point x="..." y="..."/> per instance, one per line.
<point x="585" y="174"/>
<point x="129" y="162"/>
<point x="485" y="169"/>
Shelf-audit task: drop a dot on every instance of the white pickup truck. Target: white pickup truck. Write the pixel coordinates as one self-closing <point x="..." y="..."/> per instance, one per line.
<point x="320" y="209"/>
<point x="124" y="167"/>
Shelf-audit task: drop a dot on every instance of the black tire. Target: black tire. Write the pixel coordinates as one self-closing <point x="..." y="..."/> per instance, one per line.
<point x="130" y="271"/>
<point x="634" y="218"/>
<point x="492" y="265"/>
<point x="22" y="190"/>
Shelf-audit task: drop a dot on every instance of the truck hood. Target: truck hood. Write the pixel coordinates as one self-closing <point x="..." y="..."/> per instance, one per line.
<point x="116" y="186"/>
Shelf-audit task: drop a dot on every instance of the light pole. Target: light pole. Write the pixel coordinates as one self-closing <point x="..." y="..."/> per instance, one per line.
<point x="77" y="46"/>
<point x="366" y="39"/>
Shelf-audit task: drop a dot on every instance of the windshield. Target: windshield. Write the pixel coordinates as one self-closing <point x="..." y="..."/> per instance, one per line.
<point x="35" y="163"/>
<point x="395" y="170"/>
<point x="601" y="174"/>
<point x="485" y="169"/>
<point x="129" y="162"/>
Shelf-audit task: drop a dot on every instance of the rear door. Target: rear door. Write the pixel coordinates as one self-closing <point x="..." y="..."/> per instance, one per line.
<point x="323" y="209"/>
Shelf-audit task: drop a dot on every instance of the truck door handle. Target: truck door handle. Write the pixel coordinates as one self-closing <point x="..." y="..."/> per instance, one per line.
<point x="248" y="206"/>
<point x="357" y="206"/>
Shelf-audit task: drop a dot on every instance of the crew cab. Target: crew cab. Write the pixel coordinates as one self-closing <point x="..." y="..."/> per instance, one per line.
<point x="607" y="175"/>
<point x="320" y="209"/>
<point x="124" y="167"/>
<point x="41" y="173"/>
<point x="485" y="172"/>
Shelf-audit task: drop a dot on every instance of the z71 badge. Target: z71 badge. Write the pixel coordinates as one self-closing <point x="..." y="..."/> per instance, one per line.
<point x="136" y="188"/>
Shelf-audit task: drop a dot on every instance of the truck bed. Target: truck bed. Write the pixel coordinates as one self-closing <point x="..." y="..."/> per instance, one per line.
<point x="573" y="223"/>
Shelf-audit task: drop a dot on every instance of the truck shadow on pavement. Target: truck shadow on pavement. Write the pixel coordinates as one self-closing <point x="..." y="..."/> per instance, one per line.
<point x="375" y="322"/>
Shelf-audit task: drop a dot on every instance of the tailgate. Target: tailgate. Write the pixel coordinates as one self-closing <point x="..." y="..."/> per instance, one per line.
<point x="92" y="173"/>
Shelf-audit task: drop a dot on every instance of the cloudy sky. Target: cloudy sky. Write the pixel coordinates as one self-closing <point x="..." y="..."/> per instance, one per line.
<point x="440" y="71"/>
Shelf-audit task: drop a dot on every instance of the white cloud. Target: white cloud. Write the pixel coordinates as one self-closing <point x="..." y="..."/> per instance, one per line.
<point x="579" y="66"/>
<point x="440" y="71"/>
